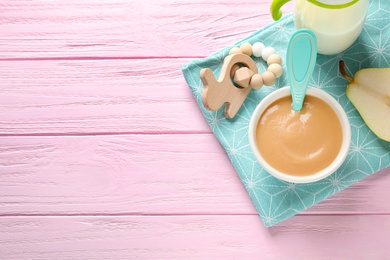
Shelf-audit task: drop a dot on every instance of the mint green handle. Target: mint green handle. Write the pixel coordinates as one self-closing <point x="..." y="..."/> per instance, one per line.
<point x="275" y="8"/>
<point x="301" y="58"/>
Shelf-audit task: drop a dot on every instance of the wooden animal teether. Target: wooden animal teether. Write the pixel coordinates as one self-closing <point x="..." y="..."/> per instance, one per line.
<point x="223" y="91"/>
<point x="238" y="76"/>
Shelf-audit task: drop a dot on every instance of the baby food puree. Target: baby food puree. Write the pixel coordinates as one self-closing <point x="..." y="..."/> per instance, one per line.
<point x="299" y="143"/>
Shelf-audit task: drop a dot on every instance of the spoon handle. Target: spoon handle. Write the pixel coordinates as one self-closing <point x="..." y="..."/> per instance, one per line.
<point x="300" y="61"/>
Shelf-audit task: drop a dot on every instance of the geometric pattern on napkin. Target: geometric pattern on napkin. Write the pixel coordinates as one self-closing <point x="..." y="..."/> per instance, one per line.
<point x="277" y="200"/>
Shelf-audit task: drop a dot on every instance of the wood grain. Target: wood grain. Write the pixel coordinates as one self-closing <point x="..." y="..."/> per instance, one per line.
<point x="97" y="96"/>
<point x="194" y="237"/>
<point x="122" y="28"/>
<point x="104" y="153"/>
<point x="143" y="174"/>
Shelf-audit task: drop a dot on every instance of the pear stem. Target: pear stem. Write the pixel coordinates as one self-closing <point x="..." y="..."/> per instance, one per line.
<point x="343" y="72"/>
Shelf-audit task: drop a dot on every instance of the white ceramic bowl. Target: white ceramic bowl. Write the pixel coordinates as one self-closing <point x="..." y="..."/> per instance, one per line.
<point x="346" y="129"/>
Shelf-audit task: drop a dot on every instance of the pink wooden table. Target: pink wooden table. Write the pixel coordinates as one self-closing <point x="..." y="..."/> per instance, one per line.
<point x="104" y="153"/>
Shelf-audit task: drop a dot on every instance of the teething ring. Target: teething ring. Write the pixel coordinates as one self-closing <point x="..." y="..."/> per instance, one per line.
<point x="239" y="74"/>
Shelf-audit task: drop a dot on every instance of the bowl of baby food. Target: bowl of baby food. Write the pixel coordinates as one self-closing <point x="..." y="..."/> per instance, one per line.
<point x="304" y="146"/>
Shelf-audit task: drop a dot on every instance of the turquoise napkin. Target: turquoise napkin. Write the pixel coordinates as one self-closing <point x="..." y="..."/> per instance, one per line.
<point x="277" y="200"/>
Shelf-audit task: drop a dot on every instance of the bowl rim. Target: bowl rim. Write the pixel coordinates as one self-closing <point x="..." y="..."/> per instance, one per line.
<point x="330" y="169"/>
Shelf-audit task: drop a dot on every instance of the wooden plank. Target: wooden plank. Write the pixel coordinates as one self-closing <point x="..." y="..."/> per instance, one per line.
<point x="97" y="96"/>
<point x="143" y="174"/>
<point x="194" y="237"/>
<point x="122" y="28"/>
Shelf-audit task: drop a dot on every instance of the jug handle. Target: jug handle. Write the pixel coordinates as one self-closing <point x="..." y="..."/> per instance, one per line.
<point x="275" y="8"/>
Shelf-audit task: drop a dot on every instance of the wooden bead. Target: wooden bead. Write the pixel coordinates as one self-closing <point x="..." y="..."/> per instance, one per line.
<point x="268" y="51"/>
<point x="256" y="81"/>
<point x="268" y="78"/>
<point x="257" y="49"/>
<point x="246" y="48"/>
<point x="276" y="69"/>
<point x="243" y="76"/>
<point x="235" y="50"/>
<point x="233" y="70"/>
<point x="274" y="58"/>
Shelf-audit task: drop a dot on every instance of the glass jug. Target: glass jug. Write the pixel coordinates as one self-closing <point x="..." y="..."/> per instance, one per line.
<point x="336" y="23"/>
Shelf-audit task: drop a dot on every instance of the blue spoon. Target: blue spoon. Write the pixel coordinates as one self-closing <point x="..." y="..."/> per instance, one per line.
<point x="301" y="58"/>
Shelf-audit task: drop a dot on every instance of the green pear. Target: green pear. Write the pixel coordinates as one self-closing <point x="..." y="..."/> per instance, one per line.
<point x="369" y="92"/>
